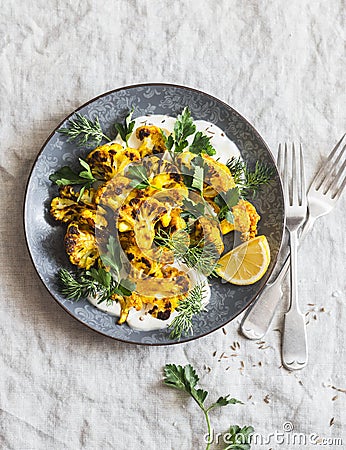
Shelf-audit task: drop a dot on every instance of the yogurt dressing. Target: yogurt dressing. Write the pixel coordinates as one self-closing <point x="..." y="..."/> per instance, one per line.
<point x="142" y="320"/>
<point x="225" y="149"/>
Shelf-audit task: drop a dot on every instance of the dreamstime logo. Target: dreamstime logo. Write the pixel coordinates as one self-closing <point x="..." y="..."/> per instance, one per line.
<point x="285" y="437"/>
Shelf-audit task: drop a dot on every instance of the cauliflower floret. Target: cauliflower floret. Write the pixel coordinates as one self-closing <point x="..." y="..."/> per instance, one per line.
<point x="80" y="245"/>
<point x="245" y="220"/>
<point x="152" y="140"/>
<point x="109" y="159"/>
<point x="64" y="209"/>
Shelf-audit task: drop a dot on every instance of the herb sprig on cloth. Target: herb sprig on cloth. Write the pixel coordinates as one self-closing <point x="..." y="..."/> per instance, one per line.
<point x="185" y="378"/>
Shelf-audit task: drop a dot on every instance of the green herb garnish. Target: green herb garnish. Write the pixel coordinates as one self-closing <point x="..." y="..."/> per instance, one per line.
<point x="202" y="256"/>
<point x="249" y="182"/>
<point x="97" y="282"/>
<point x="201" y="144"/>
<point x="198" y="178"/>
<point x="238" y="438"/>
<point x="84" y="131"/>
<point x="139" y="177"/>
<point x="183" y="128"/>
<point x="187" y="308"/>
<point x="184" y="378"/>
<point x="66" y="176"/>
<point x="125" y="129"/>
<point x="226" y="201"/>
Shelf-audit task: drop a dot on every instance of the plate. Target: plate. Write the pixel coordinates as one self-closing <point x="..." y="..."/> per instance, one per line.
<point x="45" y="238"/>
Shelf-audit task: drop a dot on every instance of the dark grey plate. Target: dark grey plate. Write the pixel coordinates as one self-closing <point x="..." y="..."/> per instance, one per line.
<point x="45" y="238"/>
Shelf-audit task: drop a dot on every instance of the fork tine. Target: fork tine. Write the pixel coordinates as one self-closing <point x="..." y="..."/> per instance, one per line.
<point x="335" y="182"/>
<point x="295" y="177"/>
<point x="285" y="175"/>
<point x="302" y="177"/>
<point x="329" y="163"/>
<point x="330" y="174"/>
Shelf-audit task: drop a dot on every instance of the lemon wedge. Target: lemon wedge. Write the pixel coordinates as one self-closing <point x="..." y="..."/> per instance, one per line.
<point x="247" y="263"/>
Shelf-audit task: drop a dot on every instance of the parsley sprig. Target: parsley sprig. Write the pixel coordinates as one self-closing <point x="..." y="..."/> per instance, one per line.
<point x="185" y="378"/>
<point x="201" y="144"/>
<point x="249" y="182"/>
<point x="84" y="131"/>
<point x="125" y="129"/>
<point x="66" y="176"/>
<point x="183" y="128"/>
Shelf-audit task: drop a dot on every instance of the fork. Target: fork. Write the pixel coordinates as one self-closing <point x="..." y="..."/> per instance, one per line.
<point x="322" y="196"/>
<point x="294" y="345"/>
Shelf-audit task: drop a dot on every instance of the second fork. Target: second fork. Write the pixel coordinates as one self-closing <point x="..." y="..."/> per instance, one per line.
<point x="291" y="166"/>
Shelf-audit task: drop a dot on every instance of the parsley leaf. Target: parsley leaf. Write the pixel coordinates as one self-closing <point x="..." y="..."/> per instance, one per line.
<point x="125" y="129"/>
<point x="226" y="201"/>
<point x="198" y="178"/>
<point x="66" y="176"/>
<point x="239" y="438"/>
<point x="183" y="128"/>
<point x="139" y="177"/>
<point x="201" y="144"/>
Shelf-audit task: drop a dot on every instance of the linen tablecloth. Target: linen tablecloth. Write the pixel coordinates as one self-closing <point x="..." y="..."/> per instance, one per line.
<point x="280" y="64"/>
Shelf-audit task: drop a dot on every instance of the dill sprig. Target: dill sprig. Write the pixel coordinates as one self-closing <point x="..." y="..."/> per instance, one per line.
<point x="76" y="287"/>
<point x="187" y="308"/>
<point x="95" y="282"/>
<point x="203" y="256"/>
<point x="249" y="182"/>
<point x="84" y="131"/>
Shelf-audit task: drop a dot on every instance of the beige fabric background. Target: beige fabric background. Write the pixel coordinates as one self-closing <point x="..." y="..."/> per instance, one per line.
<point x="282" y="65"/>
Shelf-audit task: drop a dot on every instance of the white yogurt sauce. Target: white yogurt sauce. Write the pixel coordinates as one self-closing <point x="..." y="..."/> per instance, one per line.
<point x="142" y="320"/>
<point x="225" y="149"/>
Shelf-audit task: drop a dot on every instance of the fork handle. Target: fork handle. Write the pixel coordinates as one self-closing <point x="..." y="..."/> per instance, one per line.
<point x="259" y="317"/>
<point x="294" y="350"/>
<point x="294" y="345"/>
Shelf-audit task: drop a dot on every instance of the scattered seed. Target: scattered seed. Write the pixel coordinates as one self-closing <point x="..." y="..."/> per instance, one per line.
<point x="224" y="331"/>
<point x="214" y="354"/>
<point x="334" y="398"/>
<point x="315" y="316"/>
<point x="266" y="399"/>
<point x="249" y="397"/>
<point x="311" y="304"/>
<point x="228" y="367"/>
<point x="260" y="363"/>
<point x="242" y="364"/>
<point x="339" y="389"/>
<point x="331" y="423"/>
<point x="322" y="310"/>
